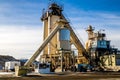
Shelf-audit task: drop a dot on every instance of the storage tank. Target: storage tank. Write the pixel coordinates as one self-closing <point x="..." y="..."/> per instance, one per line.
<point x="64" y="39"/>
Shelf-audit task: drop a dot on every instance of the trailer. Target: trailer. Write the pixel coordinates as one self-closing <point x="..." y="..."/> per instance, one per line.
<point x="10" y="65"/>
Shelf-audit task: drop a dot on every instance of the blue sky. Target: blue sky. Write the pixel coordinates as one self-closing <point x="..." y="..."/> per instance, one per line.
<point x="21" y="28"/>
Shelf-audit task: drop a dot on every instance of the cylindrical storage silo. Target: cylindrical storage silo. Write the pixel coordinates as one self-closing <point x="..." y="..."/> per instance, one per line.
<point x="64" y="39"/>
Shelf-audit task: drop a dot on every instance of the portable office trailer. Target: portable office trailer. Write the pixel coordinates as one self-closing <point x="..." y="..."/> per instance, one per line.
<point x="10" y="65"/>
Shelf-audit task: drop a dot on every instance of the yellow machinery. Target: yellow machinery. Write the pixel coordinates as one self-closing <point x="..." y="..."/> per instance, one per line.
<point x="102" y="55"/>
<point x="57" y="40"/>
<point x="58" y="37"/>
<point x="52" y="51"/>
<point x="57" y="27"/>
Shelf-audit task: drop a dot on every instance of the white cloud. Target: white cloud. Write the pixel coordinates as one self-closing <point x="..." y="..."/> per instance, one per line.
<point x="20" y="13"/>
<point x="100" y="20"/>
<point x="93" y="17"/>
<point x="114" y="37"/>
<point x="20" y="31"/>
<point x="20" y="41"/>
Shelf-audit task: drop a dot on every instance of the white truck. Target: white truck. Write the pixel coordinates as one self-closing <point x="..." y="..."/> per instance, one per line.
<point x="10" y="65"/>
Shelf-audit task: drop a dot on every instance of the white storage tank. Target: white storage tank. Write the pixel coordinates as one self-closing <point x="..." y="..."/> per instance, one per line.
<point x="10" y="65"/>
<point x="64" y="39"/>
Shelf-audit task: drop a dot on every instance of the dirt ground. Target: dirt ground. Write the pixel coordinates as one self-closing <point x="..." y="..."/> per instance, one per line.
<point x="67" y="76"/>
<point x="58" y="78"/>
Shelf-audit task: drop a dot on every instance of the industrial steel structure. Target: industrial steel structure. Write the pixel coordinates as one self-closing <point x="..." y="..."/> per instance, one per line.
<point x="58" y="38"/>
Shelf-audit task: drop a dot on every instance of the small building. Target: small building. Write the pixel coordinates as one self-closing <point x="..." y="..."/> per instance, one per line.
<point x="10" y="65"/>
